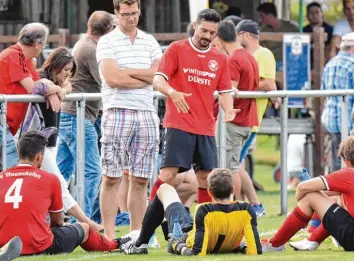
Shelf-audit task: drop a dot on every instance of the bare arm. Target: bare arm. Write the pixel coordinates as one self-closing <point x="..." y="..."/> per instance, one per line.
<point x="226" y="101"/>
<point x="335" y="42"/>
<point x="267" y="84"/>
<point x="312" y="185"/>
<point x="57" y="219"/>
<point x="145" y="75"/>
<point x="118" y="78"/>
<point x="161" y="85"/>
<point x="29" y="85"/>
<point x="79" y="214"/>
<point x="67" y="87"/>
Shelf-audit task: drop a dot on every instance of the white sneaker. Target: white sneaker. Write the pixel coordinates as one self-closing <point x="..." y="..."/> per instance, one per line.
<point x="267" y="247"/>
<point x="133" y="235"/>
<point x="11" y="250"/>
<point x="153" y="242"/>
<point x="304" y="245"/>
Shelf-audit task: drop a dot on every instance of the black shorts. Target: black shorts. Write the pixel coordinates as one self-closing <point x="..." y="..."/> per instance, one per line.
<point x="184" y="149"/>
<point x="66" y="239"/>
<point x="340" y="224"/>
<point x="177" y="212"/>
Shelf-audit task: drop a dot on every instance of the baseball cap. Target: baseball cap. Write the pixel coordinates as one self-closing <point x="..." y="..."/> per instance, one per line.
<point x="248" y="26"/>
<point x="348" y="39"/>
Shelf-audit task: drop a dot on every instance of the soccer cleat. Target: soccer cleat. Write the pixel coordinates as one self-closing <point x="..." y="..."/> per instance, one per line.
<point x="122" y="241"/>
<point x="11" y="250"/>
<point x="134" y="250"/>
<point x="133" y="236"/>
<point x="153" y="242"/>
<point x="267" y="247"/>
<point x="259" y="210"/>
<point x="304" y="245"/>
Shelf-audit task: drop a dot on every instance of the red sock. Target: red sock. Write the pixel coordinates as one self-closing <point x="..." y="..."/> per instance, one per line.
<point x="155" y="188"/>
<point x="315" y="216"/>
<point x="293" y="223"/>
<point x="319" y="235"/>
<point x="202" y="196"/>
<point x="97" y="242"/>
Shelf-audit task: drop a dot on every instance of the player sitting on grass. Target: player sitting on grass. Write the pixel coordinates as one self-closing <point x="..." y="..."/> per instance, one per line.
<point x="218" y="227"/>
<point x="30" y="194"/>
<point x="337" y="219"/>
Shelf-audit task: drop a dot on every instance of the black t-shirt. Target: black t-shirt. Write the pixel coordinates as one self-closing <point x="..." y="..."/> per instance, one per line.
<point x="51" y="118"/>
<point x="327" y="28"/>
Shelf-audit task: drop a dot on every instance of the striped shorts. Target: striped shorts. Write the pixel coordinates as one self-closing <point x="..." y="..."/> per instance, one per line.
<point x="129" y="136"/>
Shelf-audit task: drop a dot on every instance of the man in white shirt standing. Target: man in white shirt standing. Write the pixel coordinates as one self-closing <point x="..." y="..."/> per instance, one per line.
<point x="342" y="27"/>
<point x="127" y="59"/>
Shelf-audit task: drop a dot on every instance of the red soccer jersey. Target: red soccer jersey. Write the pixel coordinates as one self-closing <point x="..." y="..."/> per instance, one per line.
<point x="244" y="70"/>
<point x="14" y="67"/>
<point x="199" y="72"/>
<point x="28" y="194"/>
<point x="342" y="181"/>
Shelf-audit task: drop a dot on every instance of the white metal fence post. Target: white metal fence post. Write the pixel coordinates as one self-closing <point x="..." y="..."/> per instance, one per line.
<point x="283" y="141"/>
<point x="80" y="152"/>
<point x="222" y="139"/>
<point x="3" y="108"/>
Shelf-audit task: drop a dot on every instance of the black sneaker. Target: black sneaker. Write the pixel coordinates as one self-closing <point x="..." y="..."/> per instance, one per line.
<point x="122" y="241"/>
<point x="134" y="250"/>
<point x="11" y="250"/>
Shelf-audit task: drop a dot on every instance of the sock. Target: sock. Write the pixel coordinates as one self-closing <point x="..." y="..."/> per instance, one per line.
<point x="315" y="216"/>
<point x="152" y="219"/>
<point x="292" y="224"/>
<point x="314" y="223"/>
<point x="202" y="196"/>
<point x="97" y="242"/>
<point x="165" y="229"/>
<point x="319" y="235"/>
<point x="155" y="188"/>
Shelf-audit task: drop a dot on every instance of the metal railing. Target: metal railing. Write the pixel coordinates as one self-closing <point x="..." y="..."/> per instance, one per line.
<point x="83" y="97"/>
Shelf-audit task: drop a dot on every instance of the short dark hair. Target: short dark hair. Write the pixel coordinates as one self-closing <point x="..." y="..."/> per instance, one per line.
<point x="234" y="10"/>
<point x="226" y="31"/>
<point x="116" y="3"/>
<point x="100" y="23"/>
<point x="57" y="60"/>
<point x="220" y="183"/>
<point x="313" y="4"/>
<point x="30" y="144"/>
<point x="346" y="149"/>
<point x="208" y="15"/>
<point x="267" y="8"/>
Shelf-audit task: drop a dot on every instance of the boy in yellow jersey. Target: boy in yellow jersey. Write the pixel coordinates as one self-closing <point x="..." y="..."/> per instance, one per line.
<point x="248" y="37"/>
<point x="218" y="227"/>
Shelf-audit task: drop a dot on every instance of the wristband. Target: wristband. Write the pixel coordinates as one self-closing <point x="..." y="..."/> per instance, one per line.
<point x="40" y="88"/>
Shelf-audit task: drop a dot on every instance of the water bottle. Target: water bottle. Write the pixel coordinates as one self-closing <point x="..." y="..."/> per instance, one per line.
<point x="177" y="231"/>
<point x="305" y="174"/>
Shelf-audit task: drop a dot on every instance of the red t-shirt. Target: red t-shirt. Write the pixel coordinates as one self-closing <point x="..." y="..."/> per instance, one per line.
<point x="14" y="67"/>
<point x="244" y="70"/>
<point x="342" y="181"/>
<point x="28" y="194"/>
<point x="199" y="72"/>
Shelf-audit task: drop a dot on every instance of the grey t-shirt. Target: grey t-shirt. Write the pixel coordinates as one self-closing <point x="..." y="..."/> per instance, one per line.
<point x="86" y="78"/>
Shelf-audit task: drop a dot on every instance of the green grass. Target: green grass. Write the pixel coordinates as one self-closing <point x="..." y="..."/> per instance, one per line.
<point x="267" y="225"/>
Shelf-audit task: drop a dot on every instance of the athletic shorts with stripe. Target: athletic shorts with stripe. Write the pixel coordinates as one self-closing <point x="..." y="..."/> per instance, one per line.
<point x="129" y="132"/>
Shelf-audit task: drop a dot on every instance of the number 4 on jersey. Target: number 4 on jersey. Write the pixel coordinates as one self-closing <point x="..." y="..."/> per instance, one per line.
<point x="15" y="189"/>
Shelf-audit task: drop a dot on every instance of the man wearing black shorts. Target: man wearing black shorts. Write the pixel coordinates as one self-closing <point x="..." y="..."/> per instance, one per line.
<point x="335" y="207"/>
<point x="29" y="195"/>
<point x="189" y="73"/>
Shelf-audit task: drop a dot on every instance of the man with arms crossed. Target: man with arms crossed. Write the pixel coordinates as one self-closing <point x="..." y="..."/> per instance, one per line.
<point x="189" y="73"/>
<point x="218" y="227"/>
<point x="337" y="214"/>
<point x="130" y="125"/>
<point x="30" y="194"/>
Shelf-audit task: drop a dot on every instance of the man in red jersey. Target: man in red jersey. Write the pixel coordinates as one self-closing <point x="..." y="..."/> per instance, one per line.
<point x="189" y="73"/>
<point x="17" y="76"/>
<point x="337" y="218"/>
<point x="29" y="194"/>
<point x="245" y="77"/>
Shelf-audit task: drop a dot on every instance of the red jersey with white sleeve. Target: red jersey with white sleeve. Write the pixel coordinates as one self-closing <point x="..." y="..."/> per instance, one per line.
<point x="199" y="72"/>
<point x="342" y="181"/>
<point x="27" y="194"/>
